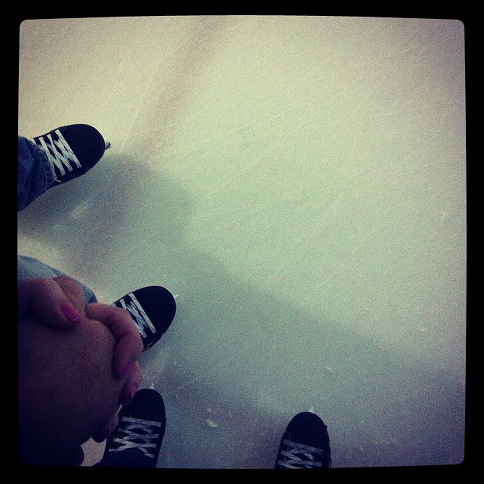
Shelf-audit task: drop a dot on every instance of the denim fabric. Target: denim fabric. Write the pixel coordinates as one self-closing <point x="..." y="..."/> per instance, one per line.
<point x="29" y="267"/>
<point x="34" y="173"/>
<point x="34" y="178"/>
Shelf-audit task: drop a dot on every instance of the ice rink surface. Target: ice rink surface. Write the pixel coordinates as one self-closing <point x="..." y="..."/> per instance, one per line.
<point x="298" y="183"/>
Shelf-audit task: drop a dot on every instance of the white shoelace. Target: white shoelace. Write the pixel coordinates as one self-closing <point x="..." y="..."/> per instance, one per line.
<point x="132" y="431"/>
<point x="59" y="153"/>
<point x="142" y="321"/>
<point x="304" y="450"/>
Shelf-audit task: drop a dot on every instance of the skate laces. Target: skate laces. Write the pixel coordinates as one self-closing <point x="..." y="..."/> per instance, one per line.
<point x="138" y="430"/>
<point x="300" y="455"/>
<point x="59" y="153"/>
<point x="141" y="319"/>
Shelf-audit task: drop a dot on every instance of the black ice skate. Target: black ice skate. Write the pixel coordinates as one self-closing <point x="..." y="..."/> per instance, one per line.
<point x="71" y="150"/>
<point x="304" y="444"/>
<point x="136" y="442"/>
<point x="152" y="309"/>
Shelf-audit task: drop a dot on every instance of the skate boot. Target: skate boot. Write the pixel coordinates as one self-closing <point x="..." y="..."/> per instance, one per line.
<point x="71" y="150"/>
<point x="152" y="309"/>
<point x="304" y="444"/>
<point x="136" y="442"/>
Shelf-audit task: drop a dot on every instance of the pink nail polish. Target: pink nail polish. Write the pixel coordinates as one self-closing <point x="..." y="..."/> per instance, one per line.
<point x="70" y="312"/>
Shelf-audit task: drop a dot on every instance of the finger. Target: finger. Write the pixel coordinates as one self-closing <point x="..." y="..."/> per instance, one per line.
<point x="131" y="386"/>
<point x="129" y="344"/>
<point x="74" y="291"/>
<point x="76" y="458"/>
<point x="106" y="428"/>
<point x="45" y="300"/>
<point x="118" y="320"/>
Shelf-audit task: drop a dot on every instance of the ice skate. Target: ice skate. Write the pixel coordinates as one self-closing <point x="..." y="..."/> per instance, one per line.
<point x="152" y="309"/>
<point x="136" y="442"/>
<point x="72" y="150"/>
<point x="304" y="444"/>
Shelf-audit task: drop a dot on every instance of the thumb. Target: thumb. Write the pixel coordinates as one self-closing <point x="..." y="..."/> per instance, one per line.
<point x="43" y="299"/>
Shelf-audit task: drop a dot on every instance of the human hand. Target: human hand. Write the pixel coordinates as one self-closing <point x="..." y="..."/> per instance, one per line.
<point x="44" y="299"/>
<point x="129" y="344"/>
<point x="66" y="389"/>
<point x="59" y="302"/>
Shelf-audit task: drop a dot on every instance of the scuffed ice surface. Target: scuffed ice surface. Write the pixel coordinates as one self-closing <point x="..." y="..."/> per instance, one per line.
<point x="299" y="184"/>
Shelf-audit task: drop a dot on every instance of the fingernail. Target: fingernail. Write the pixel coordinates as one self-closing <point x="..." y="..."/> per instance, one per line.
<point x="70" y="312"/>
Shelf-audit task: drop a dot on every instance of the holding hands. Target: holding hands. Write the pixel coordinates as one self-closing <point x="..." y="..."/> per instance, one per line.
<point x="90" y="350"/>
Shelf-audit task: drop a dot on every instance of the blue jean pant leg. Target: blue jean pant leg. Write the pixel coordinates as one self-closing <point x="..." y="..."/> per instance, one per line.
<point x="35" y="174"/>
<point x="29" y="267"/>
<point x="35" y="177"/>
